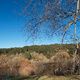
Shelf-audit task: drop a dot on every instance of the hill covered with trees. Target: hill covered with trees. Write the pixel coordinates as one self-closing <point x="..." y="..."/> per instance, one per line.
<point x="47" y="50"/>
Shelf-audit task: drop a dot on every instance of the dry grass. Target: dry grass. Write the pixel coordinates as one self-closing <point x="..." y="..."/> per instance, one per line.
<point x="72" y="77"/>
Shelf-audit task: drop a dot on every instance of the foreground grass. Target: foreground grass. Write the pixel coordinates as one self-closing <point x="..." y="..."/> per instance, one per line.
<point x="25" y="78"/>
<point x="72" y="77"/>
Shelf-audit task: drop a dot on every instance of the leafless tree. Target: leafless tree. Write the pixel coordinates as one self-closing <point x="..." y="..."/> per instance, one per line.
<point x="49" y="17"/>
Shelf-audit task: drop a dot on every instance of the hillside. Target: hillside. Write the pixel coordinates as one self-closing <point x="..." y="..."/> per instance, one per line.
<point x="39" y="60"/>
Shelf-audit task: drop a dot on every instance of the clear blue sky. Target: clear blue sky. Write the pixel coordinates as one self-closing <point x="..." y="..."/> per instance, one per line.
<point x="10" y="29"/>
<point x="10" y="26"/>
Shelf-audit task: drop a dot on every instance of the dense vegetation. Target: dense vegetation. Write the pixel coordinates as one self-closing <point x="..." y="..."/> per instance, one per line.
<point x="47" y="50"/>
<point x="39" y="60"/>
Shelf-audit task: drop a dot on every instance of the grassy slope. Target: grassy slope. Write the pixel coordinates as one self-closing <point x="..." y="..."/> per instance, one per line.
<point x="73" y="77"/>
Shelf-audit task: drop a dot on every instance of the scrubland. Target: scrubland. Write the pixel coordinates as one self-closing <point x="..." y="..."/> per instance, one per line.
<point x="37" y="66"/>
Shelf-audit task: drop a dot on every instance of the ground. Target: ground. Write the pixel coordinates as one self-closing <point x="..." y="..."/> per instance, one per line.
<point x="71" y="77"/>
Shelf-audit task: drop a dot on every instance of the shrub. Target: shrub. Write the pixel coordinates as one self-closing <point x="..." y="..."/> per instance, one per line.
<point x="34" y="55"/>
<point x="27" y="55"/>
<point x="39" y="68"/>
<point x="8" y="69"/>
<point x="26" y="69"/>
<point x="77" y="65"/>
<point x="1" y="58"/>
<point x="64" y="64"/>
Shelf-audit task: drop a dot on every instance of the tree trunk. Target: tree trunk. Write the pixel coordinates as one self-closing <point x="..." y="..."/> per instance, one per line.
<point x="77" y="46"/>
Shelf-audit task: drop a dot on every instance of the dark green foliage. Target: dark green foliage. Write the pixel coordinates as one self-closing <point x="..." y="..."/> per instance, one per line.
<point x="11" y="51"/>
<point x="27" y="55"/>
<point x="47" y="50"/>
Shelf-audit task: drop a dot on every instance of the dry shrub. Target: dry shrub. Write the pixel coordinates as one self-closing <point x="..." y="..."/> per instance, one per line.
<point x="43" y="58"/>
<point x="26" y="69"/>
<point x="13" y="69"/>
<point x="2" y="71"/>
<point x="12" y="66"/>
<point x="9" y="66"/>
<point x="8" y="69"/>
<point x="39" y="68"/>
<point x="62" y="63"/>
<point x="19" y="60"/>
<point x="39" y="57"/>
<point x="52" y="59"/>
<point x="35" y="55"/>
<point x="62" y="54"/>
<point x="1" y="58"/>
<point x="77" y="65"/>
<point x="61" y="57"/>
<point x="44" y="68"/>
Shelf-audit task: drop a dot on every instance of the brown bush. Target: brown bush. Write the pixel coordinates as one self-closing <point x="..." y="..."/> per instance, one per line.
<point x="39" y="57"/>
<point x="26" y="68"/>
<point x="1" y="58"/>
<point x="18" y="60"/>
<point x="39" y="68"/>
<point x="77" y="65"/>
<point x="62" y="54"/>
<point x="12" y="68"/>
<point x="62" y="63"/>
<point x="8" y="69"/>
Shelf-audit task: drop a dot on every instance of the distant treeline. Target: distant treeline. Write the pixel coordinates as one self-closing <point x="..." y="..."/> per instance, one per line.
<point x="45" y="49"/>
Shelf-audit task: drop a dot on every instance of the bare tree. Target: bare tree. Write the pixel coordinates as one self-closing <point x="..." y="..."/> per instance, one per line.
<point x="49" y="17"/>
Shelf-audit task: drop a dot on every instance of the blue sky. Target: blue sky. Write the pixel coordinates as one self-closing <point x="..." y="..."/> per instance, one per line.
<point x="10" y="35"/>
<point x="10" y="28"/>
